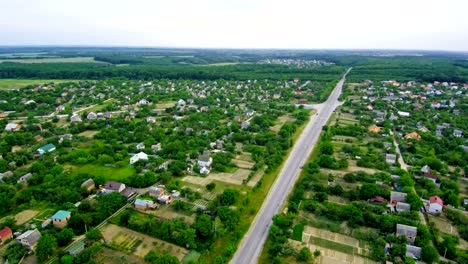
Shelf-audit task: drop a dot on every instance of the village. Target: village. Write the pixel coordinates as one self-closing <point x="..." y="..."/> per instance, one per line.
<point x="388" y="181"/>
<point x="79" y="157"/>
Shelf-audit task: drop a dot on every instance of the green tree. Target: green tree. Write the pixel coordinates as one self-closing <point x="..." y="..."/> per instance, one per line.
<point x="94" y="234"/>
<point x="65" y="236"/>
<point x="46" y="247"/>
<point x="155" y="258"/>
<point x="228" y="197"/>
<point x="203" y="226"/>
<point x="304" y="255"/>
<point x="210" y="186"/>
<point x="429" y="254"/>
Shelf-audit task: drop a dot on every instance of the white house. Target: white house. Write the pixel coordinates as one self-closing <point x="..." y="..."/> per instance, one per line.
<point x="137" y="157"/>
<point x="435" y="205"/>
<point x="12" y="127"/>
<point x="205" y="161"/>
<point x="204" y="171"/>
<point x="91" y="116"/>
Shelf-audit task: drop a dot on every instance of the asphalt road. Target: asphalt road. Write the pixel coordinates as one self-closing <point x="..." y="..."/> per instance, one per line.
<point x="252" y="243"/>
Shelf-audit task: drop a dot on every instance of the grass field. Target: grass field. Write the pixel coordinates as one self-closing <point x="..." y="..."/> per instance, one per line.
<point x="109" y="173"/>
<point x="53" y="60"/>
<point x="192" y="257"/>
<point x="7" y="84"/>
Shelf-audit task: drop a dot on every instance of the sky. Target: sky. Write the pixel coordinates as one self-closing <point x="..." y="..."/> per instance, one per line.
<point x="287" y="24"/>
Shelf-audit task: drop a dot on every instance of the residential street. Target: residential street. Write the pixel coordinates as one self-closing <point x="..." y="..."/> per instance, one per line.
<point x="252" y="243"/>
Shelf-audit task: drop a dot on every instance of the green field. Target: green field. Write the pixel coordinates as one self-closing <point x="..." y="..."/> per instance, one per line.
<point x="53" y="60"/>
<point x="7" y="84"/>
<point x="109" y="173"/>
<point x="192" y="256"/>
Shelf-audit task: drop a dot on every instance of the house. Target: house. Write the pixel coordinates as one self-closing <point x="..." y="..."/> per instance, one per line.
<point x="409" y="231"/>
<point x="374" y="129"/>
<point x="45" y="149"/>
<point x="140" y="146"/>
<point x="5" y="234"/>
<point x="6" y="174"/>
<point x="457" y="133"/>
<point x="165" y="199"/>
<point x="113" y="187"/>
<point x="403" y="114"/>
<point x="155" y="192"/>
<point x="60" y="218"/>
<point x="413" y="135"/>
<point x="75" y="118"/>
<point x="107" y="114"/>
<point x="396" y="197"/>
<point x="24" y="179"/>
<point x="88" y="184"/>
<point x="141" y="204"/>
<point x="91" y="116"/>
<point x="181" y="103"/>
<point x="76" y="248"/>
<point x="156" y="147"/>
<point x="245" y="124"/>
<point x="205" y="160"/>
<point x="435" y="205"/>
<point x="59" y="108"/>
<point x="431" y="177"/>
<point x="390" y="158"/>
<point x="426" y="169"/>
<point x="413" y="252"/>
<point x="151" y="119"/>
<point x="137" y="157"/>
<point x="12" y="127"/>
<point x="38" y="138"/>
<point x="402" y="207"/>
<point x="302" y="101"/>
<point x="128" y="192"/>
<point x="29" y="239"/>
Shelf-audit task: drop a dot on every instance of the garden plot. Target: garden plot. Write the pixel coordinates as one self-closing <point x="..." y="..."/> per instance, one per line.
<point x="110" y="256"/>
<point x="329" y="255"/>
<point x="88" y="133"/>
<point x="138" y="244"/>
<point x="236" y="178"/>
<point x="165" y="212"/>
<point x="25" y="216"/>
<point x="256" y="178"/>
<point x="280" y="122"/>
<point x="327" y="235"/>
<point x="353" y="167"/>
<point x="165" y="105"/>
<point x="243" y="163"/>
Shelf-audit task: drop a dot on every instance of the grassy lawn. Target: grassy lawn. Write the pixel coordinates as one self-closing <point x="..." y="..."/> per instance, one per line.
<point x="109" y="173"/>
<point x="7" y="84"/>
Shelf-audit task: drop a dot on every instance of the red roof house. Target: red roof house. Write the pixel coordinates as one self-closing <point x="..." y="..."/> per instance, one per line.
<point x="435" y="205"/>
<point x="5" y="234"/>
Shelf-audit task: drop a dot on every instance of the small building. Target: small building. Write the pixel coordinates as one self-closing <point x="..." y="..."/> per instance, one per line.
<point x="151" y="119"/>
<point x="205" y="161"/>
<point x="88" y="184"/>
<point x="165" y="199"/>
<point x="413" y="135"/>
<point x="410" y="232"/>
<point x="75" y="118"/>
<point x="128" y="192"/>
<point x="60" y="218"/>
<point x="12" y="127"/>
<point x="139" y="156"/>
<point x="396" y="197"/>
<point x="413" y="252"/>
<point x="402" y="207"/>
<point x="140" y="146"/>
<point x="46" y="149"/>
<point x="156" y="147"/>
<point x="29" y="239"/>
<point x="107" y="114"/>
<point x="435" y="205"/>
<point x="245" y="124"/>
<point x="5" y="234"/>
<point x="24" y="179"/>
<point x="205" y="171"/>
<point x="156" y="191"/>
<point x="430" y="176"/>
<point x="76" y="248"/>
<point x="6" y="174"/>
<point x="144" y="205"/>
<point x="91" y="116"/>
<point x="113" y="186"/>
<point x="374" y="129"/>
<point x="390" y="158"/>
<point x="457" y="133"/>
